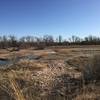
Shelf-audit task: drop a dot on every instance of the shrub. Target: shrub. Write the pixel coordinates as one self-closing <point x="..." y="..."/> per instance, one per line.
<point x="92" y="69"/>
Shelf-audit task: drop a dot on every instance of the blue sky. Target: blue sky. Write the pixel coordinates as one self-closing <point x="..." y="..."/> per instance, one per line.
<point x="54" y="17"/>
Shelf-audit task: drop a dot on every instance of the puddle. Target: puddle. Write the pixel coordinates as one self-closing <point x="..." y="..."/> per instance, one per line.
<point x="31" y="57"/>
<point x="28" y="57"/>
<point x="4" y="62"/>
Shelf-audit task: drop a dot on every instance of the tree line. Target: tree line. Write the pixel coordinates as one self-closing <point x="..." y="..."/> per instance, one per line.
<point x="46" y="40"/>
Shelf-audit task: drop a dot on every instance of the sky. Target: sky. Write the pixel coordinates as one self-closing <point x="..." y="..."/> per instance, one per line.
<point x="53" y="17"/>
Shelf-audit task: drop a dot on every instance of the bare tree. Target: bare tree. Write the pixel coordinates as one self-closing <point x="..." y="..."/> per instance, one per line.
<point x="13" y="41"/>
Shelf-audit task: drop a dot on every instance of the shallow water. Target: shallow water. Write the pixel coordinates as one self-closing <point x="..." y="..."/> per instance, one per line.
<point x="31" y="57"/>
<point x="4" y="62"/>
<point x="28" y="57"/>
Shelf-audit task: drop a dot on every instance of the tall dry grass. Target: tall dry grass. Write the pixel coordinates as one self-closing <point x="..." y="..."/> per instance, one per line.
<point x="62" y="85"/>
<point x="17" y="91"/>
<point x="92" y="69"/>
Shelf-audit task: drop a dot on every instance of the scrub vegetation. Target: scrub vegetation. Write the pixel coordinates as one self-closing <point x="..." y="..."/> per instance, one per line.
<point x="48" y="69"/>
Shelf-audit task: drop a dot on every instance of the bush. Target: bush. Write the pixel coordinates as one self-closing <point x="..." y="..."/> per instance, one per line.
<point x="92" y="69"/>
<point x="40" y="47"/>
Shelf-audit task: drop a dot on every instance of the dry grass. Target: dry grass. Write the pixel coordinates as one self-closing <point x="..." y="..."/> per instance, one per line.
<point x="17" y="91"/>
<point x="91" y="70"/>
<point x="50" y="79"/>
<point x="31" y="64"/>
